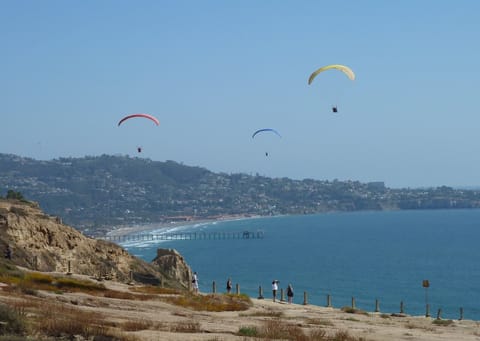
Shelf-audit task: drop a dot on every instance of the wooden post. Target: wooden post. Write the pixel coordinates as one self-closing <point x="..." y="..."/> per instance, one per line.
<point x="35" y="263"/>
<point x="377" y="305"/>
<point x="282" y="295"/>
<point x="353" y="302"/>
<point x="461" y="314"/>
<point x="427" y="311"/>
<point x="439" y="314"/>
<point x="130" y="275"/>
<point x="329" y="301"/>
<point x="214" y="287"/>
<point x="401" y="307"/>
<point x="305" y="298"/>
<point x="260" y="292"/>
<point x="69" y="267"/>
<point x="237" y="288"/>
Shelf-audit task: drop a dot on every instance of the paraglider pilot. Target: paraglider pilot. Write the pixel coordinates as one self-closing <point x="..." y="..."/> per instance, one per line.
<point x="334" y="108"/>
<point x="139" y="149"/>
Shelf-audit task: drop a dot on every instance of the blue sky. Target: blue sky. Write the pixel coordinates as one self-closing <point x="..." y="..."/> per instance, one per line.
<point x="213" y="72"/>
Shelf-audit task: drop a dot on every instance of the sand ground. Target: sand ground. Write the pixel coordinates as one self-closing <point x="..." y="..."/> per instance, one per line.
<point x="226" y="325"/>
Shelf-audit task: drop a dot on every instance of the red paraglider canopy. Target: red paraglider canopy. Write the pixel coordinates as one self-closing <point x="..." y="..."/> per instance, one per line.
<point x="150" y="117"/>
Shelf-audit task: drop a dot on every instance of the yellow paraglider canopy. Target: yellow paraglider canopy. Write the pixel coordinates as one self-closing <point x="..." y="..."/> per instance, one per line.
<point x="345" y="69"/>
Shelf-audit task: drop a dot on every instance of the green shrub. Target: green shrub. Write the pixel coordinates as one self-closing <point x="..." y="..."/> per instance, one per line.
<point x="11" y="194"/>
<point x="444" y="323"/>
<point x="248" y="331"/>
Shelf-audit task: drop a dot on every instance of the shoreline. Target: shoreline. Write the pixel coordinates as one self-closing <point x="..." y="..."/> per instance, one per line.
<point x="126" y="230"/>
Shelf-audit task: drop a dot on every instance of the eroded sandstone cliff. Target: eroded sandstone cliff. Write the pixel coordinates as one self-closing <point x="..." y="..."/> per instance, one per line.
<point x="41" y="242"/>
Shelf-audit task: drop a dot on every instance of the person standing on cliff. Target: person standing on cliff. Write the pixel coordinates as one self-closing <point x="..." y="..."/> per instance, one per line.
<point x="195" y="282"/>
<point x="229" y="285"/>
<point x="274" y="289"/>
<point x="290" y="293"/>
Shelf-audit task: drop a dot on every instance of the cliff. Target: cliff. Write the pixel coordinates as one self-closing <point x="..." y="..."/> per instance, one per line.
<point x="42" y="242"/>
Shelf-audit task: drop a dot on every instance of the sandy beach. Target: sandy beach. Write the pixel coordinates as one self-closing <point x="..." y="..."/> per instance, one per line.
<point x="163" y="226"/>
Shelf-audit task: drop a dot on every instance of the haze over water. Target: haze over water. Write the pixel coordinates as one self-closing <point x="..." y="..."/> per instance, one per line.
<point x="366" y="255"/>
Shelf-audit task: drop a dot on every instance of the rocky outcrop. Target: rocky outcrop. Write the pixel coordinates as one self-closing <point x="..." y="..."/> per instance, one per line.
<point x="172" y="264"/>
<point x="41" y="242"/>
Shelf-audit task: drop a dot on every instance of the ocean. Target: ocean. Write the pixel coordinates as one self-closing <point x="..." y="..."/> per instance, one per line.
<point x="367" y="256"/>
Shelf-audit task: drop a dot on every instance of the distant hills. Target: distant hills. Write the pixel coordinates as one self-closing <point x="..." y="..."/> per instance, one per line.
<point x="95" y="193"/>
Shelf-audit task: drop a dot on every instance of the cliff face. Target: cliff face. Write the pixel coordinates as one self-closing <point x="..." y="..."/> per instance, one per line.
<point x="171" y="263"/>
<point x="43" y="243"/>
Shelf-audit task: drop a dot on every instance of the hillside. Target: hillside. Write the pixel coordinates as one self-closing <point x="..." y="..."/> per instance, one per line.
<point x="42" y="242"/>
<point x="94" y="193"/>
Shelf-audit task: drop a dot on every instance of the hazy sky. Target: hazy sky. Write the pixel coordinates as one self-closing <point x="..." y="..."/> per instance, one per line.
<point x="213" y="72"/>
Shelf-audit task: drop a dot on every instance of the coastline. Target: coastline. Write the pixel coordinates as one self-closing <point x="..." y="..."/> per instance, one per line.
<point x="125" y="230"/>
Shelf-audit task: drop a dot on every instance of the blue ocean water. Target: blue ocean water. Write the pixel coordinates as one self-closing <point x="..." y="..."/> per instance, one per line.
<point x="365" y="255"/>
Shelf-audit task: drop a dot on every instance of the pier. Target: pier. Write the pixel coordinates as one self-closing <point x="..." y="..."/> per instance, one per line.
<point x="217" y="235"/>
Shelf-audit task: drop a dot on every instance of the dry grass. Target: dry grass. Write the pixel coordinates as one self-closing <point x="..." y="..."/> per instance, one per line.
<point x="13" y="320"/>
<point x="186" y="327"/>
<point x="211" y="302"/>
<point x="58" y="320"/>
<point x="136" y="325"/>
<point x="31" y="281"/>
<point x="278" y="329"/>
<point x="48" y="320"/>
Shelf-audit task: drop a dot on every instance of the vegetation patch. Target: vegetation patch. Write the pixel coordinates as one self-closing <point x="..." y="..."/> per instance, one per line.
<point x="211" y="302"/>
<point x="351" y="310"/>
<point x="279" y="330"/>
<point x="9" y="272"/>
<point x="58" y="320"/>
<point x="73" y="284"/>
<point x="248" y="331"/>
<point x="13" y="320"/>
<point x="186" y="327"/>
<point x="445" y="323"/>
<point x="30" y="282"/>
<point x="136" y="325"/>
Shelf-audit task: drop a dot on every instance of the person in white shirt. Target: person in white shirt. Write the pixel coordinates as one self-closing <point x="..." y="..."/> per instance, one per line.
<point x="195" y="282"/>
<point x="274" y="289"/>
